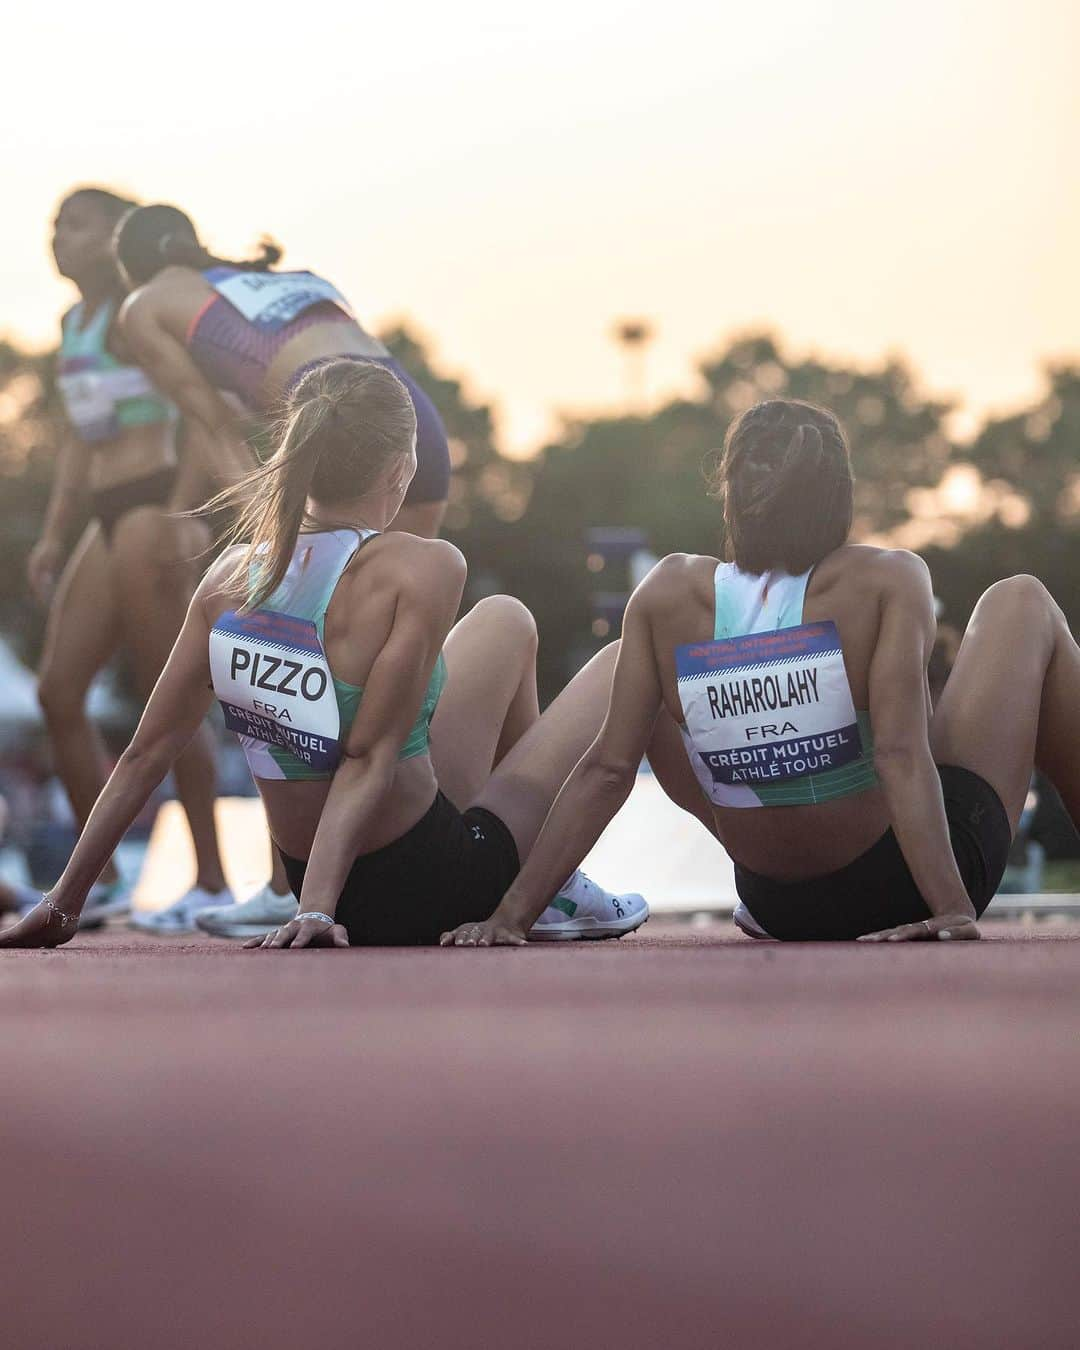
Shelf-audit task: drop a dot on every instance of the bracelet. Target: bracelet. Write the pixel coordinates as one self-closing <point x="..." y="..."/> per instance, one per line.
<point x="316" y="914"/>
<point x="62" y="915"/>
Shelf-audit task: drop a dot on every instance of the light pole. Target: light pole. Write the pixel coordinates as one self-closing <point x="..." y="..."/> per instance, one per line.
<point x="633" y="336"/>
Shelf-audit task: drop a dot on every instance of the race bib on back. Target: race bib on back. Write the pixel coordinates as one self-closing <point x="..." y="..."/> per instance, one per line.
<point x="270" y="300"/>
<point x="767" y="708"/>
<point x="272" y="679"/>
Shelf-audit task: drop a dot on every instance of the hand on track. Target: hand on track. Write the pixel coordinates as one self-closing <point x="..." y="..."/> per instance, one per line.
<point x="302" y="933"/>
<point x="493" y="932"/>
<point x="941" y="928"/>
<point x="42" y="927"/>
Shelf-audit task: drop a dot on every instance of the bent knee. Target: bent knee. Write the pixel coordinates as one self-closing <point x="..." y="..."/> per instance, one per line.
<point x="59" y="701"/>
<point x="1022" y="593"/>
<point x="510" y="614"/>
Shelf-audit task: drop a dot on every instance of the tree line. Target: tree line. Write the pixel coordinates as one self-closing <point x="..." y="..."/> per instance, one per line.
<point x="1007" y="501"/>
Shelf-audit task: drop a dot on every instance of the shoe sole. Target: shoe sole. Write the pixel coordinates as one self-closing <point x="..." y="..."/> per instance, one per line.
<point x="240" y="930"/>
<point x="596" y="931"/>
<point x="159" y="932"/>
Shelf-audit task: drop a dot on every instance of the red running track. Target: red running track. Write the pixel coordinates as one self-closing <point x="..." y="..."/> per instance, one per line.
<point x="684" y="1140"/>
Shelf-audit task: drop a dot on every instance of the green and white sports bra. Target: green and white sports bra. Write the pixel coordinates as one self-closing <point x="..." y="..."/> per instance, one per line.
<point x="272" y="678"/>
<point x="768" y="714"/>
<point x="100" y="394"/>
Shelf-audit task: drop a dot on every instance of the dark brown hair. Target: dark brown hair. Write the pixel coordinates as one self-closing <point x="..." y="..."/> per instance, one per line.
<point x="345" y="422"/>
<point x="785" y="483"/>
<point x="151" y="238"/>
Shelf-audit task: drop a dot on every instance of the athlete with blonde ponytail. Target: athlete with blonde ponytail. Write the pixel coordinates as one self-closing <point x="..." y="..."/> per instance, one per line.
<point x="403" y="763"/>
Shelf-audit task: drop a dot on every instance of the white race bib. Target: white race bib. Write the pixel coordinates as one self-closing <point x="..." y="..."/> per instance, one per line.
<point x="90" y="397"/>
<point x="88" y="402"/>
<point x="768" y="708"/>
<point x="271" y="676"/>
<point x="271" y="300"/>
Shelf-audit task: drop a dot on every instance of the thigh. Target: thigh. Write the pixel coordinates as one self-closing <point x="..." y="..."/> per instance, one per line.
<point x="82" y="627"/>
<point x="485" y="655"/>
<point x="987" y="719"/>
<point x="155" y="567"/>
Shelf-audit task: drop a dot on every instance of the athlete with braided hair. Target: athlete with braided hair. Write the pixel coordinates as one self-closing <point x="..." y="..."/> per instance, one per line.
<point x="794" y="676"/>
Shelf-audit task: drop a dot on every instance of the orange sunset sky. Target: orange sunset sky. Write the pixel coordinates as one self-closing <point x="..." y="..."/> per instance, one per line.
<point x="862" y="177"/>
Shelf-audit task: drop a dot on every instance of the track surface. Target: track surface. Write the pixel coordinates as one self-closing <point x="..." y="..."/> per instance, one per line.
<point x="680" y="1140"/>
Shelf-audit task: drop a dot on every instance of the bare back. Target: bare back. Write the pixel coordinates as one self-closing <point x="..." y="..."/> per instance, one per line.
<point x="178" y="295"/>
<point x="786" y="842"/>
<point x="363" y="610"/>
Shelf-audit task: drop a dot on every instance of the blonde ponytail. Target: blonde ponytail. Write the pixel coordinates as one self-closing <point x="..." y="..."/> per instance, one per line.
<point x="344" y="422"/>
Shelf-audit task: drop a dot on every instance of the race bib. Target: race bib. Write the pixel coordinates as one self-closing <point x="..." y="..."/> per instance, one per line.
<point x="271" y="676"/>
<point x="89" y="404"/>
<point x="270" y="300"/>
<point x="90" y="398"/>
<point x="767" y="708"/>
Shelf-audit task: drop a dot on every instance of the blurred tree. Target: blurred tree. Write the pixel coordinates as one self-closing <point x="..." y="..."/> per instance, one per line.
<point x="651" y="472"/>
<point x="30" y="431"/>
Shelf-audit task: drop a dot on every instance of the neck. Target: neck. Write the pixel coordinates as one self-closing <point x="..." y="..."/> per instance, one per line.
<point x="98" y="288"/>
<point x="363" y="513"/>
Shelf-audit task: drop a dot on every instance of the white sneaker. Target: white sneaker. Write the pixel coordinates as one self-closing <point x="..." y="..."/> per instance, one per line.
<point x="255" y="917"/>
<point x="582" y="909"/>
<point x="179" y="917"/>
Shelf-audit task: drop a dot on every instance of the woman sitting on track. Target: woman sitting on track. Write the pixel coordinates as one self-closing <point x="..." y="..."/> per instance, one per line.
<point x="404" y="771"/>
<point x="203" y="326"/>
<point x="128" y="580"/>
<point x="797" y="675"/>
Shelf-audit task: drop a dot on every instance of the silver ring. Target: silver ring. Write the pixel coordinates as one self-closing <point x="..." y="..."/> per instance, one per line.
<point x="926" y="925"/>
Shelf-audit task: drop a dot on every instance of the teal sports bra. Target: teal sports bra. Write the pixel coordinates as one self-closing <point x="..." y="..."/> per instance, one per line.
<point x="768" y="714"/>
<point x="272" y="678"/>
<point x="101" y="395"/>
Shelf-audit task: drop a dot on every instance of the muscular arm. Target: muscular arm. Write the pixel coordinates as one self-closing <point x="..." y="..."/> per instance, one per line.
<point x="601" y="782"/>
<point x="225" y="455"/>
<point x="177" y="706"/>
<point x="899" y="713"/>
<point x="426" y="605"/>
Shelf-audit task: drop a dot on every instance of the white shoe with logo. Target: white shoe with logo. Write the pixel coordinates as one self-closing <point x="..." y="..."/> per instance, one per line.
<point x="179" y="917"/>
<point x="582" y="909"/>
<point x="254" y="917"/>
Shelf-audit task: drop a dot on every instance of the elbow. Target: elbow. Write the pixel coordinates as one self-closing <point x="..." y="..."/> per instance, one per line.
<point x="609" y="777"/>
<point x="149" y="760"/>
<point x="900" y="759"/>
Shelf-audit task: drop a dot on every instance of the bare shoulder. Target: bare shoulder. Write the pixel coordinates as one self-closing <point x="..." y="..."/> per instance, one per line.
<point x="218" y="590"/>
<point x="138" y="309"/>
<point x="877" y="570"/>
<point x="147" y="303"/>
<point x="897" y="571"/>
<point x="419" y="566"/>
<point x="678" y="577"/>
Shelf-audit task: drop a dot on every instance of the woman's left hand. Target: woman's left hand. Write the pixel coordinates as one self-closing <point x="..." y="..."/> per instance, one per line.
<point x="303" y="933"/>
<point x="941" y="928"/>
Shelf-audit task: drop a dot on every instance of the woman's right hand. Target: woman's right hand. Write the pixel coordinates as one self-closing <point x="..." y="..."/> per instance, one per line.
<point x="43" y="926"/>
<point x="43" y="568"/>
<point x="493" y="932"/>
